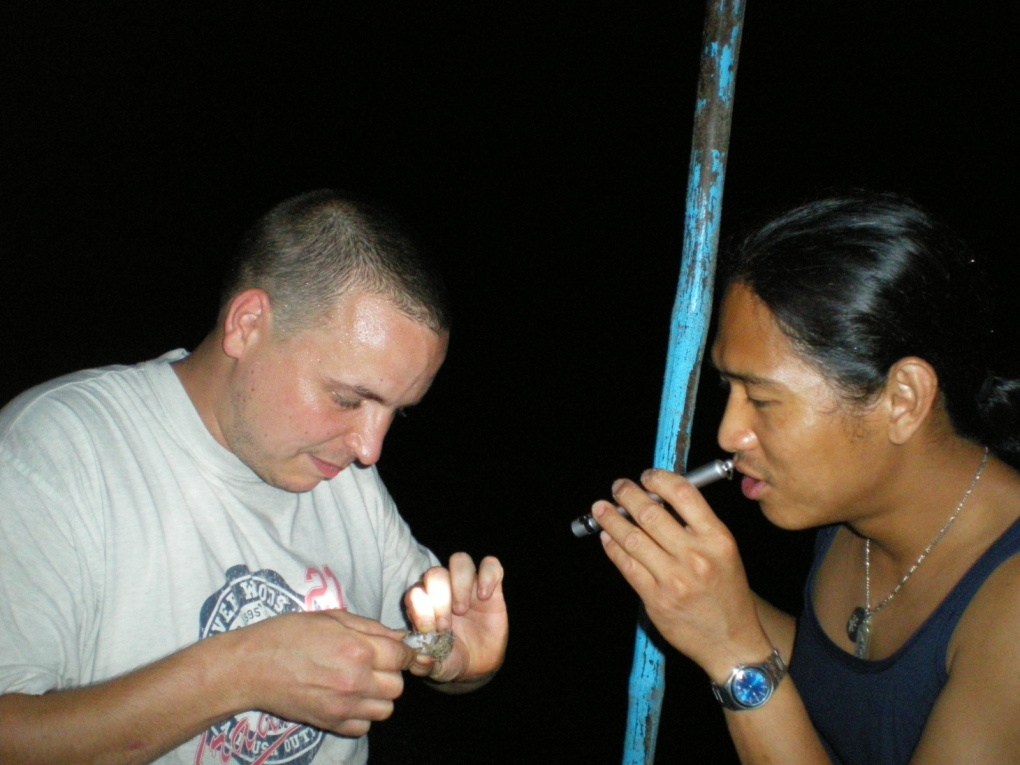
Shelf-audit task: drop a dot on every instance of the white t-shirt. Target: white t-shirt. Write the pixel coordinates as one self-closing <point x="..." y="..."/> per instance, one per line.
<point x="127" y="533"/>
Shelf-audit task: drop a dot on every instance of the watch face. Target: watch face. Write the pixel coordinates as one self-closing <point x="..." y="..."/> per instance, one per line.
<point x="751" y="687"/>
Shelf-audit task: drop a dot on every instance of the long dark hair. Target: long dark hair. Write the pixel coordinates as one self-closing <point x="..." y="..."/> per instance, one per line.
<point x="860" y="281"/>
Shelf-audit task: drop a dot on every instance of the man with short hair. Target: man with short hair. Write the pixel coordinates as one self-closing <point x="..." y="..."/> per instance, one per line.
<point x="148" y="513"/>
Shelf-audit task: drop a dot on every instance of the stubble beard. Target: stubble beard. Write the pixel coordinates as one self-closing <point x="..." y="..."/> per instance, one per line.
<point x="243" y="442"/>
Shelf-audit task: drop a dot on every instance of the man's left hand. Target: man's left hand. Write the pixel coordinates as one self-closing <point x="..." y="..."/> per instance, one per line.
<point x="469" y="601"/>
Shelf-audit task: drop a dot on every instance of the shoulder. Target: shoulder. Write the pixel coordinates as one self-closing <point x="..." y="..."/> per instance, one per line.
<point x="992" y="620"/>
<point x="993" y="613"/>
<point x="51" y="418"/>
<point x="82" y="396"/>
<point x="975" y="715"/>
<point x="59" y="431"/>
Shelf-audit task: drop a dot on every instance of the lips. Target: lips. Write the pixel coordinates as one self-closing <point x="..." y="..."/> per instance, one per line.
<point x="327" y="469"/>
<point x="752" y="487"/>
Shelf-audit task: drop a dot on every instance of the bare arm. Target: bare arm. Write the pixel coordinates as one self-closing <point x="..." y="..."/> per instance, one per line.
<point x="782" y="725"/>
<point x="330" y="669"/>
<point x="778" y="625"/>
<point x="135" y="718"/>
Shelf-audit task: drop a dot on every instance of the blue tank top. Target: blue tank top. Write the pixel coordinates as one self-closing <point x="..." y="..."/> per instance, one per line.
<point x="873" y="712"/>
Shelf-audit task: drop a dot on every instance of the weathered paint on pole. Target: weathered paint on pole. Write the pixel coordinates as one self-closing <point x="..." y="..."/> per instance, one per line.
<point x="689" y="324"/>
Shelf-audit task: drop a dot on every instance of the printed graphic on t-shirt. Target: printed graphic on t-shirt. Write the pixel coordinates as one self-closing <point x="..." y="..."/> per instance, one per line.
<point x="258" y="738"/>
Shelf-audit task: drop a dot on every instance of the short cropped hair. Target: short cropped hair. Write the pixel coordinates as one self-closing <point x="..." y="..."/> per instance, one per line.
<point x="314" y="249"/>
<point x="860" y="281"/>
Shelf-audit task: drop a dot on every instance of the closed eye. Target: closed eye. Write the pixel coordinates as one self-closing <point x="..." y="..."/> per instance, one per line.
<point x="346" y="403"/>
<point x="726" y="385"/>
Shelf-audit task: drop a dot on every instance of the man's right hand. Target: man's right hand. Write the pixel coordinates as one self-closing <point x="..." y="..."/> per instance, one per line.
<point x="330" y="669"/>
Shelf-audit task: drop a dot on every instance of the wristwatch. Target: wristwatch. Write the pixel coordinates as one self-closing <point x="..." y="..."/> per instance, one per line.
<point x="751" y="685"/>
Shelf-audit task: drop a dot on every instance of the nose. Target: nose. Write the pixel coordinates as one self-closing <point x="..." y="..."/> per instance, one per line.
<point x="365" y="439"/>
<point x="736" y="431"/>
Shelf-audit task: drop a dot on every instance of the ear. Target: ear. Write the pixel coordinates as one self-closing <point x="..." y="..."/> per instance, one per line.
<point x="248" y="316"/>
<point x="912" y="390"/>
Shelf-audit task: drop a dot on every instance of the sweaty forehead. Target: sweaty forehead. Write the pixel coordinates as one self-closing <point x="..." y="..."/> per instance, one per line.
<point x="745" y="324"/>
<point x="751" y="348"/>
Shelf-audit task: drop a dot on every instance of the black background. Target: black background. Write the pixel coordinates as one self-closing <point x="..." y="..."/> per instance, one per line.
<point x="540" y="150"/>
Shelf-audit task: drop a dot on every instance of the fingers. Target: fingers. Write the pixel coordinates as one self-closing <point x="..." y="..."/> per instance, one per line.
<point x="423" y="665"/>
<point x="469" y="601"/>
<point x="626" y="545"/>
<point x="490" y="577"/>
<point x="653" y="536"/>
<point x="686" y="567"/>
<point x="645" y="503"/>
<point x="356" y="728"/>
<point x="462" y="582"/>
<point x="331" y="669"/>
<point x="421" y="609"/>
<point x="362" y="624"/>
<point x="390" y="654"/>
<point x="367" y="669"/>
<point x="650" y="530"/>
<point x="360" y="701"/>
<point x="447" y="592"/>
<point x="469" y="583"/>
<point x="684" y="498"/>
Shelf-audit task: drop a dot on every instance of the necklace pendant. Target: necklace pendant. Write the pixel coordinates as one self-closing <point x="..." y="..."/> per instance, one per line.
<point x="858" y="629"/>
<point x="863" y="638"/>
<point x="858" y="618"/>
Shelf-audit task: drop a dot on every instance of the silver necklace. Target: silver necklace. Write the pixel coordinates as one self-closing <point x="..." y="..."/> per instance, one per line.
<point x="858" y="627"/>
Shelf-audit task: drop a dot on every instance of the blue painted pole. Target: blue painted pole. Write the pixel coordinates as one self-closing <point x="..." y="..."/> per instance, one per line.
<point x="689" y="324"/>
